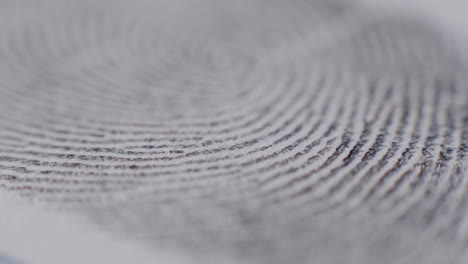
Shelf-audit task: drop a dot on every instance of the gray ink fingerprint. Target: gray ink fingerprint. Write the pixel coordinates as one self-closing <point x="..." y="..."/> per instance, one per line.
<point x="250" y="131"/>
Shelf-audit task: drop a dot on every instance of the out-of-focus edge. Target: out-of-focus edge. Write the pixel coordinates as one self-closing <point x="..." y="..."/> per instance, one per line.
<point x="31" y="235"/>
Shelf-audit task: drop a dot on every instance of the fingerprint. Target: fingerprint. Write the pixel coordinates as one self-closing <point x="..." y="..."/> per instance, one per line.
<point x="257" y="131"/>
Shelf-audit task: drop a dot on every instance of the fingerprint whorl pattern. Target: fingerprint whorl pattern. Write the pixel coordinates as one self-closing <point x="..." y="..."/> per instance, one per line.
<point x="261" y="131"/>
